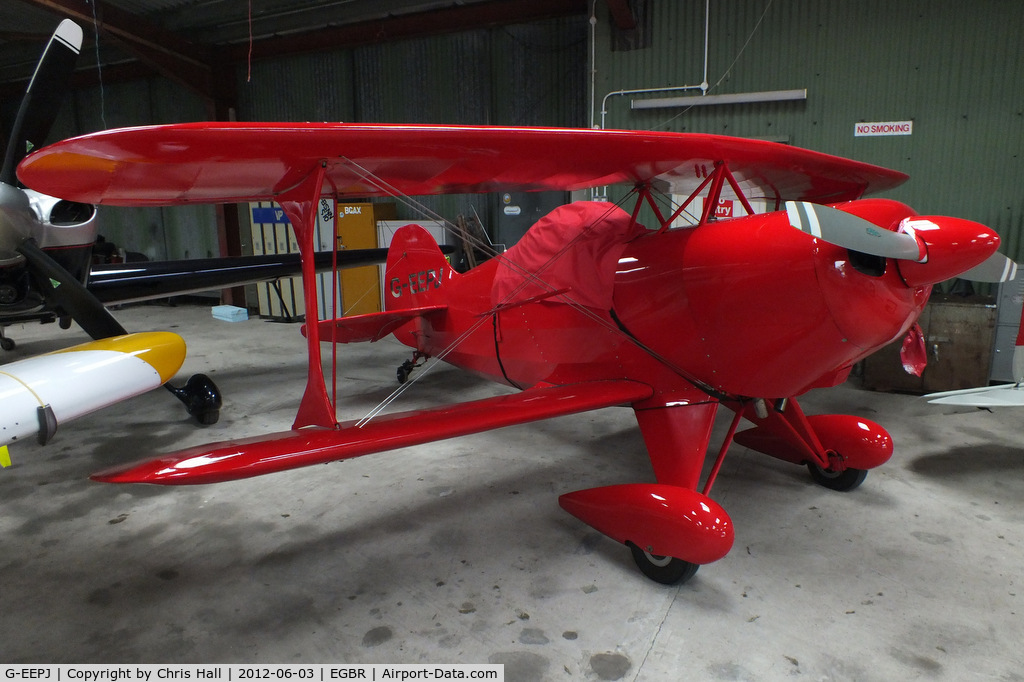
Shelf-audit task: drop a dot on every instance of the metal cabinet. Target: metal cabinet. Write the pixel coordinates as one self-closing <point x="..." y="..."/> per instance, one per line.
<point x="959" y="339"/>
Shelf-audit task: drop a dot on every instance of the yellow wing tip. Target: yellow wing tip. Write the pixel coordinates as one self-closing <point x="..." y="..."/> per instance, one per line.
<point x="163" y="351"/>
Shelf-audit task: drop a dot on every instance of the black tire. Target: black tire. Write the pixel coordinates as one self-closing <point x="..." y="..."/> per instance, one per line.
<point x="843" y="481"/>
<point x="403" y="374"/>
<point x="7" y="344"/>
<point x="666" y="570"/>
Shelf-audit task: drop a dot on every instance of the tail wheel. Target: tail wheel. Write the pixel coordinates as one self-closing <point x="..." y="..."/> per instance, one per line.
<point x="403" y="372"/>
<point x="843" y="481"/>
<point x="666" y="570"/>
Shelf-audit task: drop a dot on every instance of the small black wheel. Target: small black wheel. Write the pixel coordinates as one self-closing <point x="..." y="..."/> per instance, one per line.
<point x="7" y="344"/>
<point x="666" y="570"/>
<point x="843" y="481"/>
<point x="403" y="374"/>
<point x="201" y="397"/>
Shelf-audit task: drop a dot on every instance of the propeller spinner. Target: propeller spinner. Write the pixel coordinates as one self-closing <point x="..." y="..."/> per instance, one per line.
<point x="927" y="249"/>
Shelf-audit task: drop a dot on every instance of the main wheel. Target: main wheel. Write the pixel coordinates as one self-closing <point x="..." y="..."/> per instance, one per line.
<point x="666" y="570"/>
<point x="6" y="343"/>
<point x="843" y="481"/>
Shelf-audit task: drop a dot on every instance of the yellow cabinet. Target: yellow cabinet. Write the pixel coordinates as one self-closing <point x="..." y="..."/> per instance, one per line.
<point x="357" y="229"/>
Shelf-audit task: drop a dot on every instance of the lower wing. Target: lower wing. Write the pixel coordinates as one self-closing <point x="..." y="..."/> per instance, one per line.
<point x="231" y="460"/>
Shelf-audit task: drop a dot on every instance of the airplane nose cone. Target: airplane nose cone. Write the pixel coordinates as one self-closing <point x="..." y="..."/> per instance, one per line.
<point x="953" y="247"/>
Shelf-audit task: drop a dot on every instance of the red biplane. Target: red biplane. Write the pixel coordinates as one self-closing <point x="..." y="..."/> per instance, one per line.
<point x="590" y="309"/>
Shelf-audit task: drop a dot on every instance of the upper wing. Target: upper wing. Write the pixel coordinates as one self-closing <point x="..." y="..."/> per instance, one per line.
<point x="231" y="460"/>
<point x="232" y="162"/>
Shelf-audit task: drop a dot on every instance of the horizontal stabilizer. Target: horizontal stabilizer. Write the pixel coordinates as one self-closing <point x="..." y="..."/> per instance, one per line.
<point x="231" y="460"/>
<point x="1008" y="395"/>
<point x="371" y="326"/>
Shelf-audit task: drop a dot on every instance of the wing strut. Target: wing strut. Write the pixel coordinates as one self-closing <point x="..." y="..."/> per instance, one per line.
<point x="300" y="204"/>
<point x="717" y="179"/>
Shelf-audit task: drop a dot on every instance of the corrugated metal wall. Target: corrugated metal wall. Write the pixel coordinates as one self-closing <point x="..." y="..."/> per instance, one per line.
<point x="955" y="70"/>
<point x="518" y="75"/>
<point x="160" y="233"/>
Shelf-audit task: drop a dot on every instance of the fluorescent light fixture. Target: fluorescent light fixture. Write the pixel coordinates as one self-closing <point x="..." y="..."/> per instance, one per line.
<point x="706" y="100"/>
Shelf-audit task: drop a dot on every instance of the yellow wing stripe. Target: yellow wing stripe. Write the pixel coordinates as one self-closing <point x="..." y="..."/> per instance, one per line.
<point x="163" y="351"/>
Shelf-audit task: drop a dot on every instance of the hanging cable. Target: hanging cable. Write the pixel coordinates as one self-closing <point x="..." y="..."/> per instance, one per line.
<point x="99" y="64"/>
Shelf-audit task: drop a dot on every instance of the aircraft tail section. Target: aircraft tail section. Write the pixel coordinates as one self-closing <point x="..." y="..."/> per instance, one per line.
<point x="416" y="272"/>
<point x="414" y="280"/>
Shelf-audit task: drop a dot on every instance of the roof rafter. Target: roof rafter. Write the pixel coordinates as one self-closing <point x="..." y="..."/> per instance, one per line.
<point x="169" y="53"/>
<point x="433" y="22"/>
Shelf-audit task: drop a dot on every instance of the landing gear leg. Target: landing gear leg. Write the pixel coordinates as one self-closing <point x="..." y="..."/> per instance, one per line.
<point x="406" y="368"/>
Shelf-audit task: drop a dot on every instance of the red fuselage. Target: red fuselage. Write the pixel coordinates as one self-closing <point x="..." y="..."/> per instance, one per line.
<point x="742" y="307"/>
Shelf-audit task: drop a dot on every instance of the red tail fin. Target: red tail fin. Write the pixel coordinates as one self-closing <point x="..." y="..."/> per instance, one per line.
<point x="416" y="270"/>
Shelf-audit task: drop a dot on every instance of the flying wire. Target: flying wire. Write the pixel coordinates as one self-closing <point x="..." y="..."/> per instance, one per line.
<point x="99" y="64"/>
<point x="726" y="73"/>
<point x="529" y="277"/>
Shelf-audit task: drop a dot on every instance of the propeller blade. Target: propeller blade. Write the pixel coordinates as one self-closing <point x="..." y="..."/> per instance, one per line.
<point x="997" y="268"/>
<point x="60" y="287"/>
<point x="852" y="232"/>
<point x="46" y="90"/>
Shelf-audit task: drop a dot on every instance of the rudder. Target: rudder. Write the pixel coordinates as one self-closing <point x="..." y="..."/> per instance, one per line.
<point x="416" y="270"/>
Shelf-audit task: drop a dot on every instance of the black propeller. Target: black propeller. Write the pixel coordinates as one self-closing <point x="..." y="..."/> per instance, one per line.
<point x="43" y="97"/>
<point x="62" y="291"/>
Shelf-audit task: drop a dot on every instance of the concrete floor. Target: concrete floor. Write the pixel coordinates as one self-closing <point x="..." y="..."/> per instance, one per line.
<point x="458" y="551"/>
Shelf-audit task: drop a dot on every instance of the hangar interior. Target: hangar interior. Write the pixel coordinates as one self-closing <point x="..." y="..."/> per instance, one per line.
<point x="456" y="551"/>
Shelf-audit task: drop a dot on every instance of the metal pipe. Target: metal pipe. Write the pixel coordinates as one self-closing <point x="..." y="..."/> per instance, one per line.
<point x="703" y="87"/>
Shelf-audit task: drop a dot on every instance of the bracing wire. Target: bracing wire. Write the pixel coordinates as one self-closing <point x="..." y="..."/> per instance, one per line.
<point x="99" y="64"/>
<point x="529" y="278"/>
<point x="725" y="73"/>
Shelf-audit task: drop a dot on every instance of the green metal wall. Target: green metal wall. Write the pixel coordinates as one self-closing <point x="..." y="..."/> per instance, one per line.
<point x="955" y="69"/>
